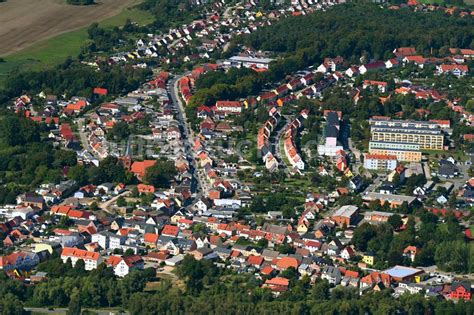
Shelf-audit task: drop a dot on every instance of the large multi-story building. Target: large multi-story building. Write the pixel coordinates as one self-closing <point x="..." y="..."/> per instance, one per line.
<point x="380" y="162"/>
<point x="405" y="152"/>
<point x="427" y="134"/>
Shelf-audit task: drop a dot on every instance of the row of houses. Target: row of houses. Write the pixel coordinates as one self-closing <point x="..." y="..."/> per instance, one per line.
<point x="264" y="144"/>
<point x="290" y="133"/>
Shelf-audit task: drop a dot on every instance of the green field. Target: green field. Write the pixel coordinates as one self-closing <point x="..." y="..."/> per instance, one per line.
<point x="55" y="50"/>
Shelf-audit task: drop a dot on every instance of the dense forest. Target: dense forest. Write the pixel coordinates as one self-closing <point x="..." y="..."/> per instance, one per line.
<point x="356" y="30"/>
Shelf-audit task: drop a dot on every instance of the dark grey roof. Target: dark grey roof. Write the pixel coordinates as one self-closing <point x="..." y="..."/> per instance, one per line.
<point x="448" y="170"/>
<point x="333" y="271"/>
<point x="464" y="284"/>
<point x="332" y="118"/>
<point x="331" y="131"/>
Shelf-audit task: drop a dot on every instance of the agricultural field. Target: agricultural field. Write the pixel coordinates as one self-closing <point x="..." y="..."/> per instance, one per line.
<point x="26" y="22"/>
<point x="41" y="33"/>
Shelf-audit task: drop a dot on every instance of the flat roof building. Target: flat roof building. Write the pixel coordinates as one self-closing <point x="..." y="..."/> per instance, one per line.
<point x="427" y="134"/>
<point x="345" y="215"/>
<point x="377" y="216"/>
<point x="405" y="152"/>
<point x="402" y="273"/>
<point x="248" y="62"/>
<point x="393" y="200"/>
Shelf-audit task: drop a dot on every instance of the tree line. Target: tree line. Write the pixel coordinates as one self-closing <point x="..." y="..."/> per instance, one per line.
<point x="206" y="290"/>
<point x="73" y="78"/>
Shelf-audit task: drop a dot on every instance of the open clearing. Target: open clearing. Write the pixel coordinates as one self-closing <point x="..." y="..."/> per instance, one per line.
<point x="26" y="22"/>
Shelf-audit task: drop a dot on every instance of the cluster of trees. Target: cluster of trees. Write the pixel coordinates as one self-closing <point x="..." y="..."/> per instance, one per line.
<point x="278" y="201"/>
<point x="160" y="174"/>
<point x="169" y="13"/>
<point x="73" y="79"/>
<point x="80" y="2"/>
<point x="25" y="161"/>
<point x="102" y="39"/>
<point x="440" y="244"/>
<point x="119" y="132"/>
<point x="236" y="83"/>
<point x="110" y="170"/>
<point x="240" y="83"/>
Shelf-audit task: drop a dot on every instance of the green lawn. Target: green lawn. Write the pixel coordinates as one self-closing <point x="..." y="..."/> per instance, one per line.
<point x="55" y="50"/>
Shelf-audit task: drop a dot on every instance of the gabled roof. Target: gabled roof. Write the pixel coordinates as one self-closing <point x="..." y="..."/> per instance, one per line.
<point x="80" y="253"/>
<point x="255" y="260"/>
<point x="151" y="238"/>
<point x="278" y="281"/>
<point x="287" y="262"/>
<point x="170" y="230"/>
<point x="139" y="168"/>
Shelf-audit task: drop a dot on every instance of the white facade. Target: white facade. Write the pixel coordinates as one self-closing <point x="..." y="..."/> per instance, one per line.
<point x="386" y="163"/>
<point x="91" y="262"/>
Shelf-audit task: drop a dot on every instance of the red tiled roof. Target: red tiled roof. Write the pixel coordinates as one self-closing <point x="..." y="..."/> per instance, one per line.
<point x="380" y="157"/>
<point x="79" y="253"/>
<point x="255" y="260"/>
<point x="267" y="270"/>
<point x="170" y="230"/>
<point x="278" y="281"/>
<point x="287" y="262"/>
<point x="139" y="168"/>
<point x="100" y="91"/>
<point x="151" y="238"/>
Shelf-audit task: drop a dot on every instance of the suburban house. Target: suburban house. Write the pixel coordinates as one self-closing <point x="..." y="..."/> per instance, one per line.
<point x="225" y="108"/>
<point x="139" y="168"/>
<point x="123" y="265"/>
<point x="461" y="291"/>
<point x="332" y="275"/>
<point x="91" y="259"/>
<point x="277" y="284"/>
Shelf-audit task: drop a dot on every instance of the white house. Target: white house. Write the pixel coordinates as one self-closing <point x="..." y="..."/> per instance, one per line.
<point x="123" y="265"/>
<point x="332" y="275"/>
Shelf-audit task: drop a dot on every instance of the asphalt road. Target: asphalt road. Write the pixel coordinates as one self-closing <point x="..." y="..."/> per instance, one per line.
<point x="187" y="136"/>
<point x="276" y="143"/>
